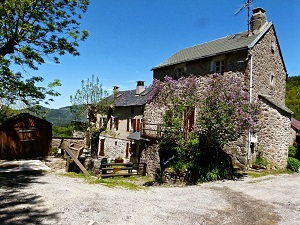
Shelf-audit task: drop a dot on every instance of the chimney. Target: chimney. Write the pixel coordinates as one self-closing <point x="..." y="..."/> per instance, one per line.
<point x="115" y="90"/>
<point x="140" y="87"/>
<point x="258" y="21"/>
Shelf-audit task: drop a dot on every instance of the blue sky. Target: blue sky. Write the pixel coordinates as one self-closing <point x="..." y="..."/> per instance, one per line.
<point x="129" y="37"/>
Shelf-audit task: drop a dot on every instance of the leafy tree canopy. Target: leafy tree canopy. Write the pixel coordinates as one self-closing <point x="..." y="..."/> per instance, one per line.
<point x="32" y="31"/>
<point x="292" y="97"/>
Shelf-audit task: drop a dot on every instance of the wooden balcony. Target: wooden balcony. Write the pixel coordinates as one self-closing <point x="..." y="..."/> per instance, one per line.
<point x="150" y="130"/>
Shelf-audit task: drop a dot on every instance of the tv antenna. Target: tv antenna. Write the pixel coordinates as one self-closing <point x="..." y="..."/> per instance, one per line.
<point x="247" y="5"/>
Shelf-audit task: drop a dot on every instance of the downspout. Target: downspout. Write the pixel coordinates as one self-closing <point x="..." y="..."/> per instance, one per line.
<point x="250" y="100"/>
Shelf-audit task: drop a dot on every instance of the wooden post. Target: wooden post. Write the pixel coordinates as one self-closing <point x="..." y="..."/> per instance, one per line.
<point x="77" y="162"/>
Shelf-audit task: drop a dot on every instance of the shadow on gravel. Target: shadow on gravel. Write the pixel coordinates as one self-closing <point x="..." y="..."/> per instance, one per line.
<point x="17" y="206"/>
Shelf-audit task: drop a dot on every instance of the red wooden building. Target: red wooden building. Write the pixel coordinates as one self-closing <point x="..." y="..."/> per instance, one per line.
<point x="25" y="136"/>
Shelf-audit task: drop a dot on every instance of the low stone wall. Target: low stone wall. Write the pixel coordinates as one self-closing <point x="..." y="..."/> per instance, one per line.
<point x="56" y="142"/>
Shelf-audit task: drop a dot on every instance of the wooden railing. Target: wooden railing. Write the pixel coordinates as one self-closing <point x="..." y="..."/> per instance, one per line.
<point x="150" y="130"/>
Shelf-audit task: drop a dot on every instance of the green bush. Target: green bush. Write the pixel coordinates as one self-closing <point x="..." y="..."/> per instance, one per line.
<point x="293" y="164"/>
<point x="261" y="161"/>
<point x="292" y="151"/>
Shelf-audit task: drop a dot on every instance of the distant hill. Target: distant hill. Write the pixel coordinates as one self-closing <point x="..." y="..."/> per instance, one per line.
<point x="59" y="117"/>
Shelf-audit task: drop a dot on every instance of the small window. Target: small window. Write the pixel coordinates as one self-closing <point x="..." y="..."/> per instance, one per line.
<point x="179" y="73"/>
<point x="273" y="46"/>
<point x="272" y="79"/>
<point x="219" y="67"/>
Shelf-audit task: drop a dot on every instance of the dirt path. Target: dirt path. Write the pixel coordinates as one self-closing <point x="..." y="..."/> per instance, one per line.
<point x="49" y="198"/>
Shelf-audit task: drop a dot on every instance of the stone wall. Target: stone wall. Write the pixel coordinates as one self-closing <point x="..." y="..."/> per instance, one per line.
<point x="273" y="138"/>
<point x="77" y="141"/>
<point x="115" y="147"/>
<point x="269" y="75"/>
<point x="150" y="156"/>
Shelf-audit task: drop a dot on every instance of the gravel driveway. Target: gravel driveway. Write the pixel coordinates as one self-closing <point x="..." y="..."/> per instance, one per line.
<point x="50" y="198"/>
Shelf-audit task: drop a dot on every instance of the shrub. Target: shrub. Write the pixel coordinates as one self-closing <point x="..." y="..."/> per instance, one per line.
<point x="261" y="161"/>
<point x="293" y="164"/>
<point x="292" y="151"/>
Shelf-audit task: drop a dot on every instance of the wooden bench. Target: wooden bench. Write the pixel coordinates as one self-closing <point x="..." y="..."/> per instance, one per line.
<point x="109" y="169"/>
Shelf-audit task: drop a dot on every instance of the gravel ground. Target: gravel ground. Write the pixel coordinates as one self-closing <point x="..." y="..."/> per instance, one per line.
<point x="50" y="198"/>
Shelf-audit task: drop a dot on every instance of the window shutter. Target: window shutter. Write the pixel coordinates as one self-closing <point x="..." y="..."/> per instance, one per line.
<point x="117" y="123"/>
<point x="138" y="126"/>
<point x="102" y="147"/>
<point x="134" y="125"/>
<point x="127" y="150"/>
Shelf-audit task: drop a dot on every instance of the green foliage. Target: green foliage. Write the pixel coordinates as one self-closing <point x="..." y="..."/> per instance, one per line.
<point x="293" y="164"/>
<point x="66" y="131"/>
<point x="127" y="183"/>
<point x="90" y="99"/>
<point x="261" y="161"/>
<point x="292" y="151"/>
<point x="55" y="150"/>
<point x="292" y="97"/>
<point x="31" y="33"/>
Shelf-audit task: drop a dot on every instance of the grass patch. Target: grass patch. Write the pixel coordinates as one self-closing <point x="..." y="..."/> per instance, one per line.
<point x="267" y="172"/>
<point x="127" y="183"/>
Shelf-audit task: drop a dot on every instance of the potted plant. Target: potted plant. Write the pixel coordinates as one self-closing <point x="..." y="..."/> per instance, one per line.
<point x="119" y="160"/>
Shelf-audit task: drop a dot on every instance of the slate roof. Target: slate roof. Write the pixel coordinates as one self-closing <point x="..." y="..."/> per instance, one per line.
<point x="224" y="45"/>
<point x="129" y="98"/>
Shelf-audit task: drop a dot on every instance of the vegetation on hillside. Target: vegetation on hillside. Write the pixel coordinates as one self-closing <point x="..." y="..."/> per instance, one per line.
<point x="292" y="98"/>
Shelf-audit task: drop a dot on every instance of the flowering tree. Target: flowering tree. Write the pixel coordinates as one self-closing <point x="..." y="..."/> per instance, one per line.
<point x="223" y="113"/>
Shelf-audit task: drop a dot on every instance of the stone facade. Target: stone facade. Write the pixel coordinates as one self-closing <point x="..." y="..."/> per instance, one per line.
<point x="115" y="147"/>
<point x="273" y="137"/>
<point x="150" y="156"/>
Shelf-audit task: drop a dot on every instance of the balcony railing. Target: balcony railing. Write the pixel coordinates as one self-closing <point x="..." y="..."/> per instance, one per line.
<point x="150" y="130"/>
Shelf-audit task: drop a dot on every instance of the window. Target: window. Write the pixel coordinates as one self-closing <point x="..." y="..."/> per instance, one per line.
<point x="180" y="71"/>
<point x="272" y="79"/>
<point x="133" y="125"/>
<point x="273" y="46"/>
<point x="219" y="67"/>
<point x="27" y="135"/>
<point x="114" y="123"/>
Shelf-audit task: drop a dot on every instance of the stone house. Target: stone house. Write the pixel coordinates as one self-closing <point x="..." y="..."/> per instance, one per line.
<point x="253" y="55"/>
<point x="122" y="137"/>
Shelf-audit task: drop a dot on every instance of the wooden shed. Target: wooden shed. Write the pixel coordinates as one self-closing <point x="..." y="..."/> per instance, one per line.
<point x="25" y="136"/>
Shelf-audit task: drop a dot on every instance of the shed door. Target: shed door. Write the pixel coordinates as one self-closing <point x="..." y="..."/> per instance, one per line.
<point x="27" y="141"/>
